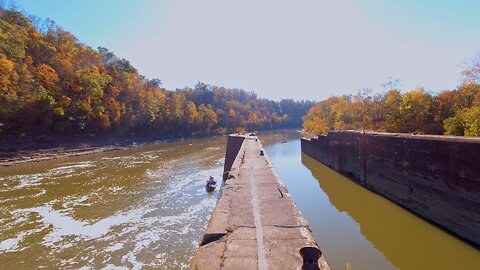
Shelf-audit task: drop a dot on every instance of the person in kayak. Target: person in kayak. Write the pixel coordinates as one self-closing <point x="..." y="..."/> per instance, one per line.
<point x="211" y="181"/>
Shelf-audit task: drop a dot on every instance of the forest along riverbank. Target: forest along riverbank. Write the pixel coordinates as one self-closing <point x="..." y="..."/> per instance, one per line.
<point x="142" y="207"/>
<point x="358" y="229"/>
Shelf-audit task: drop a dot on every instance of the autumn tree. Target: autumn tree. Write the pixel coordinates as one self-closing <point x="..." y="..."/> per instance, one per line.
<point x="52" y="84"/>
<point x="454" y="112"/>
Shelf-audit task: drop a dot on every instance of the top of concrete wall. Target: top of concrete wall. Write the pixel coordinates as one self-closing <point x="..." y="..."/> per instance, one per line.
<point x="410" y="136"/>
<point x="255" y="225"/>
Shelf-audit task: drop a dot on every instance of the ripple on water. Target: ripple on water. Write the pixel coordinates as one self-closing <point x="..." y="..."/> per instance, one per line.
<point x="12" y="244"/>
<point x="161" y="228"/>
<point x="63" y="225"/>
<point x="22" y="181"/>
<point x="70" y="167"/>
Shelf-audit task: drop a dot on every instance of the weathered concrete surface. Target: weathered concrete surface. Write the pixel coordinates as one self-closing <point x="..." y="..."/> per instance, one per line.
<point x="437" y="177"/>
<point x="256" y="224"/>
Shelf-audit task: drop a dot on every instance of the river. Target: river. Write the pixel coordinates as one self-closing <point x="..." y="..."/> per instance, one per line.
<point x="146" y="208"/>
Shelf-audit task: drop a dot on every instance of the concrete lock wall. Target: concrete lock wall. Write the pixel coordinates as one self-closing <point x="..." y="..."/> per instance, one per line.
<point x="255" y="224"/>
<point x="436" y="177"/>
<point x="233" y="147"/>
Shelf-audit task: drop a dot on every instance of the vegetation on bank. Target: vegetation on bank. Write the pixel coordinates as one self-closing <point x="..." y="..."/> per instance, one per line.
<point x="455" y="112"/>
<point x="53" y="85"/>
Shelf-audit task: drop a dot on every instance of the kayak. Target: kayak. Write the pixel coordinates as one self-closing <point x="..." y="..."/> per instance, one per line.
<point x="211" y="186"/>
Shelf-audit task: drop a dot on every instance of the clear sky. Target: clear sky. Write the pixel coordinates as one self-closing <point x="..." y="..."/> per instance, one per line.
<point x="304" y="49"/>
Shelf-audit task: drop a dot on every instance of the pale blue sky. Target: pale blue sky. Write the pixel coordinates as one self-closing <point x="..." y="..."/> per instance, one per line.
<point x="305" y="49"/>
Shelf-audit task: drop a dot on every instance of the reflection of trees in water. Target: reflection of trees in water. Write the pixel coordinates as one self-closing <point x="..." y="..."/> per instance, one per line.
<point x="406" y="240"/>
<point x="269" y="137"/>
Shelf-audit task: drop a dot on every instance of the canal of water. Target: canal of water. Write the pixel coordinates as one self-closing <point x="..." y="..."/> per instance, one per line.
<point x="358" y="229"/>
<point x="146" y="207"/>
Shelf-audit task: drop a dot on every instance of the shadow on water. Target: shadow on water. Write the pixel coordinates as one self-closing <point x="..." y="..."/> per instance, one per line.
<point x="406" y="240"/>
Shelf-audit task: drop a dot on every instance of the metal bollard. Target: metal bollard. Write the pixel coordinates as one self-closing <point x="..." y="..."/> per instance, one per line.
<point x="310" y="255"/>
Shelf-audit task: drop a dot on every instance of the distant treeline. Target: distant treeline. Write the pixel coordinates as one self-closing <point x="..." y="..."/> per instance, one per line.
<point x="455" y="112"/>
<point x="51" y="84"/>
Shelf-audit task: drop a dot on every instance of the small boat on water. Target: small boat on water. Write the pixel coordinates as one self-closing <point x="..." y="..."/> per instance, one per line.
<point x="211" y="184"/>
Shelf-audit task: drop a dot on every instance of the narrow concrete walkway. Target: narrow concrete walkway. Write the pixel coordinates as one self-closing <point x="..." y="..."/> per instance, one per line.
<point x="255" y="225"/>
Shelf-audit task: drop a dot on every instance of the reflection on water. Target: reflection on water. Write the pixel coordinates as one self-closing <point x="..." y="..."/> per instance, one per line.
<point x="359" y="229"/>
<point x="130" y="209"/>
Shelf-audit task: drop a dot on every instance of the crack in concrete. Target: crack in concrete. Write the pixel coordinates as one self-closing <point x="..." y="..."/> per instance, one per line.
<point x="244" y="226"/>
<point x="289" y="226"/>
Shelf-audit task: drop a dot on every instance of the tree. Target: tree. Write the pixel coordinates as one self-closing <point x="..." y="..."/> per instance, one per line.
<point x="472" y="71"/>
<point x="464" y="123"/>
<point x="415" y="111"/>
<point x="192" y="115"/>
<point x="6" y="74"/>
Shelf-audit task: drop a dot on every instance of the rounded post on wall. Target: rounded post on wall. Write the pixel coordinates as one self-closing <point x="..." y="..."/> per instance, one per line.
<point x="310" y="255"/>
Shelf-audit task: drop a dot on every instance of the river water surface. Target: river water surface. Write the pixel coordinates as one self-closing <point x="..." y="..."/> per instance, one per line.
<point x="139" y="208"/>
<point x="146" y="208"/>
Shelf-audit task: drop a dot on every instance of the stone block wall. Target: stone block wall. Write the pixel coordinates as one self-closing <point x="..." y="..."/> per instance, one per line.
<point x="436" y="177"/>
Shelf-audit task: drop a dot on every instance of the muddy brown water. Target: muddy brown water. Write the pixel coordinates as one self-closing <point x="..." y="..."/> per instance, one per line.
<point x="358" y="229"/>
<point x="146" y="208"/>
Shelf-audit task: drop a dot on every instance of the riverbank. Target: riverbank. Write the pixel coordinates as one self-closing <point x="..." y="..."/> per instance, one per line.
<point x="35" y="151"/>
<point x="42" y="149"/>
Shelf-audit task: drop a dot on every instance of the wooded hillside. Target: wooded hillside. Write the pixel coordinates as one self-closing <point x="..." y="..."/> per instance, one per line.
<point x="455" y="112"/>
<point x="52" y="84"/>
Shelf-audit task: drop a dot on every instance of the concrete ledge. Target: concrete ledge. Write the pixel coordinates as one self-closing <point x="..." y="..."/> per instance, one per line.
<point x="256" y="224"/>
